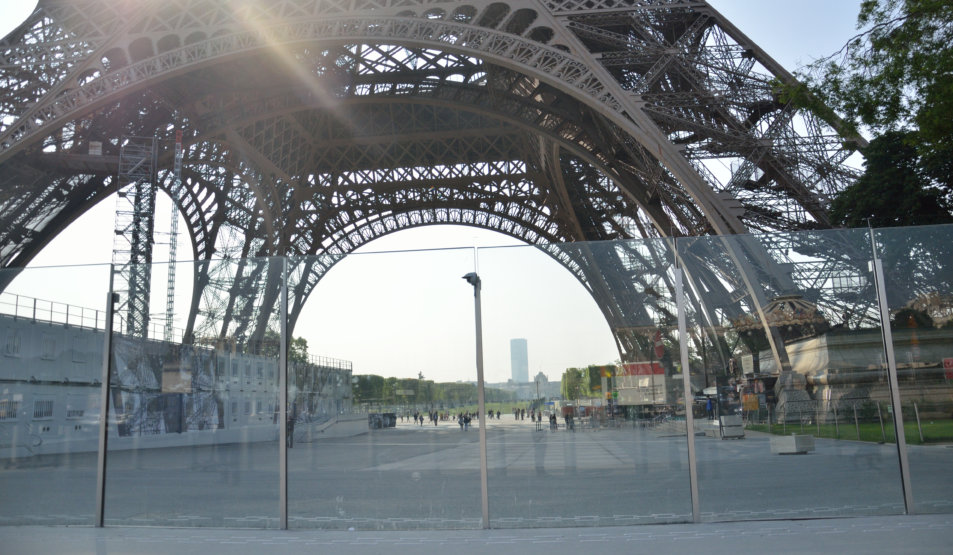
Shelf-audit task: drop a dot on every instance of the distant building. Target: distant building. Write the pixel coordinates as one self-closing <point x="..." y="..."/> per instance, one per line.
<point x="546" y="389"/>
<point x="524" y="391"/>
<point x="519" y="360"/>
<point x="540" y="387"/>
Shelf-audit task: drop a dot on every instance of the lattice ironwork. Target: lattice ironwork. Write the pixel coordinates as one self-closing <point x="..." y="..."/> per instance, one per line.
<point x="134" y="231"/>
<point x="311" y="127"/>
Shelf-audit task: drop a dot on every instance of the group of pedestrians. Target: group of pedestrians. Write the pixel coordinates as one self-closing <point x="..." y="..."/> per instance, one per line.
<point x="465" y="418"/>
<point x="537" y="417"/>
<point x="432" y="416"/>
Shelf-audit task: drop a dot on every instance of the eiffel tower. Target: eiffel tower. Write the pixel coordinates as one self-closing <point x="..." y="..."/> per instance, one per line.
<point x="311" y="127"/>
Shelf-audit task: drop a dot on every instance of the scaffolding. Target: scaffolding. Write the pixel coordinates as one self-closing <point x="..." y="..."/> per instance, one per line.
<point x="134" y="231"/>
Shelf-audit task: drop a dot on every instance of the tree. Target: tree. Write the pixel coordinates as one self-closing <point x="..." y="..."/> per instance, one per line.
<point x="895" y="76"/>
<point x="909" y="318"/>
<point x="297" y="348"/>
<point x="893" y="191"/>
<point x="368" y="387"/>
<point x="572" y="384"/>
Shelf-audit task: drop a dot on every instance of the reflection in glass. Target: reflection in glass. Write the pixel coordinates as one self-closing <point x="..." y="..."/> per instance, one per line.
<point x="918" y="268"/>
<point x="193" y="417"/>
<point x="608" y="445"/>
<point x="788" y="378"/>
<point x="586" y="404"/>
<point x="376" y="439"/>
<point x="50" y="373"/>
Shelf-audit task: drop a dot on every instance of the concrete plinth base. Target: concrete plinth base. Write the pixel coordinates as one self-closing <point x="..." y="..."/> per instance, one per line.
<point x="793" y="444"/>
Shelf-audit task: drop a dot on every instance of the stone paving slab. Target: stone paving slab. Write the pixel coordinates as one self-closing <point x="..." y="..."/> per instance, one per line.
<point x="917" y="534"/>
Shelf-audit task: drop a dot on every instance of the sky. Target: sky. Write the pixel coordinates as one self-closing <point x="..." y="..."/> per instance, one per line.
<point x="397" y="309"/>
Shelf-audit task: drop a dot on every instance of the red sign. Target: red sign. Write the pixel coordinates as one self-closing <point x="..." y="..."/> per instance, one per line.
<point x="948" y="368"/>
<point x="659" y="347"/>
<point x="641" y="369"/>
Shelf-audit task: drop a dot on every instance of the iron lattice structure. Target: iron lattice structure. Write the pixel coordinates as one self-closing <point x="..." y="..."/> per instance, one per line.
<point x="134" y="232"/>
<point x="314" y="126"/>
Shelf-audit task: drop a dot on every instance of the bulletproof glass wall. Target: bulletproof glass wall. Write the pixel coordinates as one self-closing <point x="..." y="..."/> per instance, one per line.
<point x="793" y="375"/>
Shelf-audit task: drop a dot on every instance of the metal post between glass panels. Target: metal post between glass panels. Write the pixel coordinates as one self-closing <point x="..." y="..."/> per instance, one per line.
<point x="878" y="270"/>
<point x="111" y="299"/>
<point x="283" y="399"/>
<point x="686" y="382"/>
<point x="474" y="280"/>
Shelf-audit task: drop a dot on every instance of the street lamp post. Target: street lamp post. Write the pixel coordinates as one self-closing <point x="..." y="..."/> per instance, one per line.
<point x="474" y="280"/>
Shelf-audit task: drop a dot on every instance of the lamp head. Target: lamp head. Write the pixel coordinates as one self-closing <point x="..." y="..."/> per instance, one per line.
<point x="472" y="278"/>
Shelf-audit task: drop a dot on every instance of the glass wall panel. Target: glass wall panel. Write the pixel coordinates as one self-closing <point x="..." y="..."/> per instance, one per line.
<point x="918" y="269"/>
<point x="51" y="361"/>
<point x="787" y="377"/>
<point x="586" y="419"/>
<point x="582" y="340"/>
<point x="193" y="423"/>
<point x="382" y="392"/>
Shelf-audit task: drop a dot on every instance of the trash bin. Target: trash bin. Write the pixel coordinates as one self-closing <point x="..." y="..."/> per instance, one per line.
<point x="375" y="421"/>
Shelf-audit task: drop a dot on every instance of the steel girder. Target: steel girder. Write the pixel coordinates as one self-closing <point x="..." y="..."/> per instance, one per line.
<point x="312" y="127"/>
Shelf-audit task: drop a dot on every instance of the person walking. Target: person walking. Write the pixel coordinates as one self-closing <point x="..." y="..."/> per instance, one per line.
<point x="292" y="416"/>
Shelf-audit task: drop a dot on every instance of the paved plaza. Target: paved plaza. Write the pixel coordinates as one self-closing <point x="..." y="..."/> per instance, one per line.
<point x="895" y="535"/>
<point x="427" y="478"/>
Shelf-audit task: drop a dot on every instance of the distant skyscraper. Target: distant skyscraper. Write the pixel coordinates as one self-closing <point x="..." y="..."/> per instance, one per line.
<point x="519" y="360"/>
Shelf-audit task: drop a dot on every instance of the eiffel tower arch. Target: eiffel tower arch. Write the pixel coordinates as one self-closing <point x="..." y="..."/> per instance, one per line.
<point x="311" y="127"/>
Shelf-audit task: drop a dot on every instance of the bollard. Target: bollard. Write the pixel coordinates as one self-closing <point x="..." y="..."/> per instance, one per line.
<point x="919" y="428"/>
<point x="883" y="433"/>
<point x="836" y="427"/>
<point x="856" y="424"/>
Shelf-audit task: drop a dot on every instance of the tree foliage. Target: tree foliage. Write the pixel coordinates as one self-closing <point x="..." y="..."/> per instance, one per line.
<point x="298" y="350"/>
<point x="297" y="347"/>
<point x="574" y="384"/>
<point x="895" y="79"/>
<point x="893" y="191"/>
<point x="897" y="74"/>
<point x="371" y="388"/>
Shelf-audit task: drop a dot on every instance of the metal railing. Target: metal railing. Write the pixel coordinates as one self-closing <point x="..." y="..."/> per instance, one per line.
<point x="53" y="312"/>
